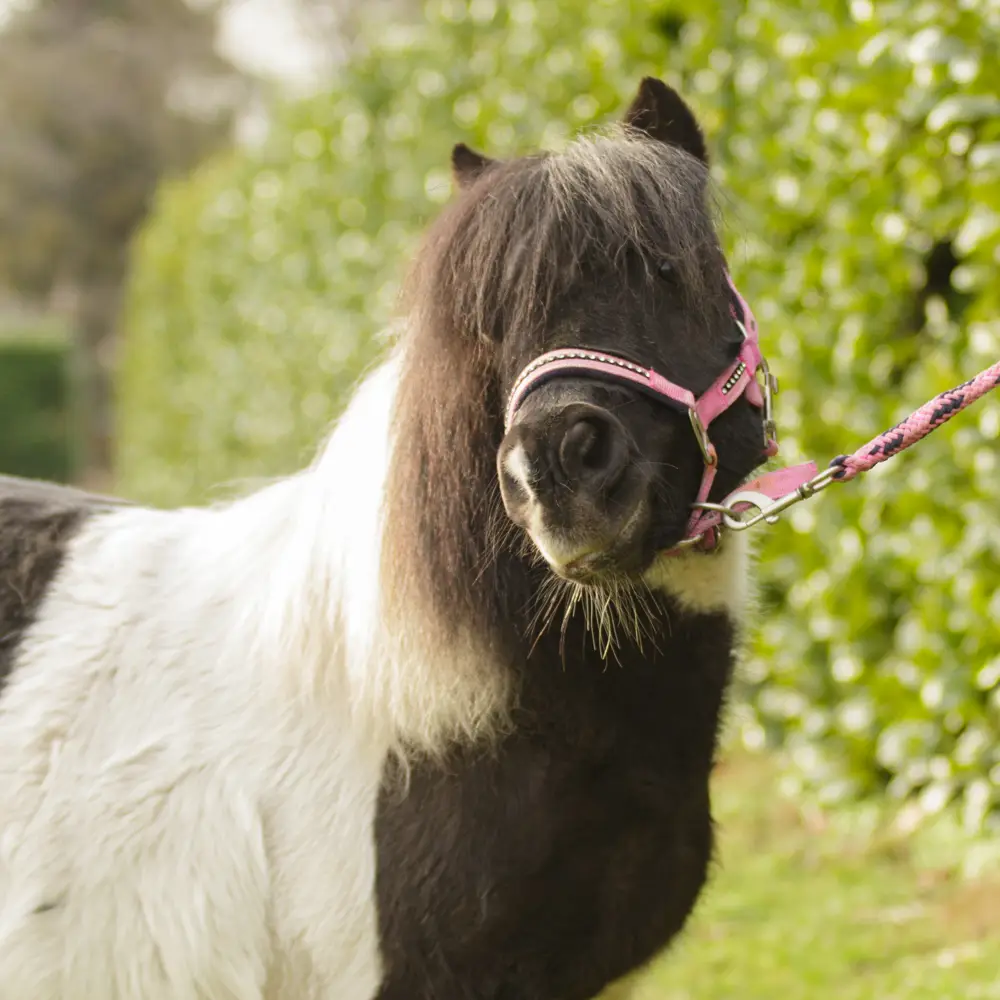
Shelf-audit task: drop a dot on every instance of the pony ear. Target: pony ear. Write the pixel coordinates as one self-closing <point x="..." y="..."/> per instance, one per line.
<point x="467" y="165"/>
<point x="660" y="112"/>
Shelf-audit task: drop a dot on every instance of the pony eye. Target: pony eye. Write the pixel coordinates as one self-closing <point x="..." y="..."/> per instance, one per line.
<point x="665" y="269"/>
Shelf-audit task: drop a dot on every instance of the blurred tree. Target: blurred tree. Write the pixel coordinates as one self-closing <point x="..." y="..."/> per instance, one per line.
<point x="97" y="103"/>
<point x="340" y="24"/>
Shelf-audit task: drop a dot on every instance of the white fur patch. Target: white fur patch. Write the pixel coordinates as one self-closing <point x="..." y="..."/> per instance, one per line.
<point x="172" y="830"/>
<point x="708" y="582"/>
<point x="518" y="468"/>
<point x="555" y="551"/>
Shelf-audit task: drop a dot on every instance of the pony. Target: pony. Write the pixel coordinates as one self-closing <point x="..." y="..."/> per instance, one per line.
<point x="435" y="716"/>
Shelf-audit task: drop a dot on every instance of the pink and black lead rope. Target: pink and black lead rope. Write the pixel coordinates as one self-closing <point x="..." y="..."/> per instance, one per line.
<point x="774" y="492"/>
<point x="916" y="426"/>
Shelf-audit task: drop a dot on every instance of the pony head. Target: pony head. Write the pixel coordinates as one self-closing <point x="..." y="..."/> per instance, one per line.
<point x="605" y="250"/>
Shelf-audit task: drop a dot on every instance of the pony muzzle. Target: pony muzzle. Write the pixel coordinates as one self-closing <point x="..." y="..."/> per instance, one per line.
<point x="569" y="477"/>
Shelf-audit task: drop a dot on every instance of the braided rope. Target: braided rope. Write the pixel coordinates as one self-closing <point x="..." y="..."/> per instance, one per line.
<point x="917" y="425"/>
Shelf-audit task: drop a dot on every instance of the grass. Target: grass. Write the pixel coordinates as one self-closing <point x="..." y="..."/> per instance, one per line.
<point x="807" y="906"/>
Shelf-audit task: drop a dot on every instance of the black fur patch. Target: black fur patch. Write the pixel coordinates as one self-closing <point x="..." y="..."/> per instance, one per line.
<point x="37" y="522"/>
<point x="573" y="853"/>
<point x="569" y="853"/>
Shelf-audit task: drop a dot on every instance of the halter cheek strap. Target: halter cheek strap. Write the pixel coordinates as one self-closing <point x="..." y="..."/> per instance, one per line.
<point x="738" y="379"/>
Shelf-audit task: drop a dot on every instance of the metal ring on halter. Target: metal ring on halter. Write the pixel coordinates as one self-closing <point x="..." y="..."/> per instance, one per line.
<point x="718" y="508"/>
<point x="695" y="541"/>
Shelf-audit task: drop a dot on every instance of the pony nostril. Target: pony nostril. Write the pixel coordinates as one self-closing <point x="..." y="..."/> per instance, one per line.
<point x="580" y="448"/>
<point x="593" y="450"/>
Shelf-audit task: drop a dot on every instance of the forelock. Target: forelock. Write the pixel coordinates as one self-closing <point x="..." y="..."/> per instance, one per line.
<point x="507" y="251"/>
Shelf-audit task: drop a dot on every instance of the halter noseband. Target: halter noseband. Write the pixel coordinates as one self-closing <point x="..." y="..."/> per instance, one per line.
<point x="737" y="379"/>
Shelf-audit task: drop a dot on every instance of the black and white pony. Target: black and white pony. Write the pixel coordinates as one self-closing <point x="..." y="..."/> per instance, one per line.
<point x="433" y="719"/>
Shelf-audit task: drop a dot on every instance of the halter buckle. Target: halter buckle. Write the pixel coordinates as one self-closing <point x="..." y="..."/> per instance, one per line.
<point x="769" y="389"/>
<point x="708" y="452"/>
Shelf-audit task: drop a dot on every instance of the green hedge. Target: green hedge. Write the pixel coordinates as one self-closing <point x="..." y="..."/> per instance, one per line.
<point x="35" y="409"/>
<point x="261" y="284"/>
<point x="858" y="152"/>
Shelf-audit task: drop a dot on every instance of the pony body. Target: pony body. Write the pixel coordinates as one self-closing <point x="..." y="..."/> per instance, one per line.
<point x="188" y="764"/>
<point x="324" y="741"/>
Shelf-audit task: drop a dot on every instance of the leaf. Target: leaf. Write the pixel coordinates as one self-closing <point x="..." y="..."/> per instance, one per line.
<point x="962" y="108"/>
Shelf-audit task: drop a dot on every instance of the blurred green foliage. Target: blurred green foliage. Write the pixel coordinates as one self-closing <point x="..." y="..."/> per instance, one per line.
<point x="35" y="405"/>
<point x="857" y="150"/>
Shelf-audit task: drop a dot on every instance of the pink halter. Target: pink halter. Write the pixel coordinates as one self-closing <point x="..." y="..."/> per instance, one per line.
<point x="736" y="380"/>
